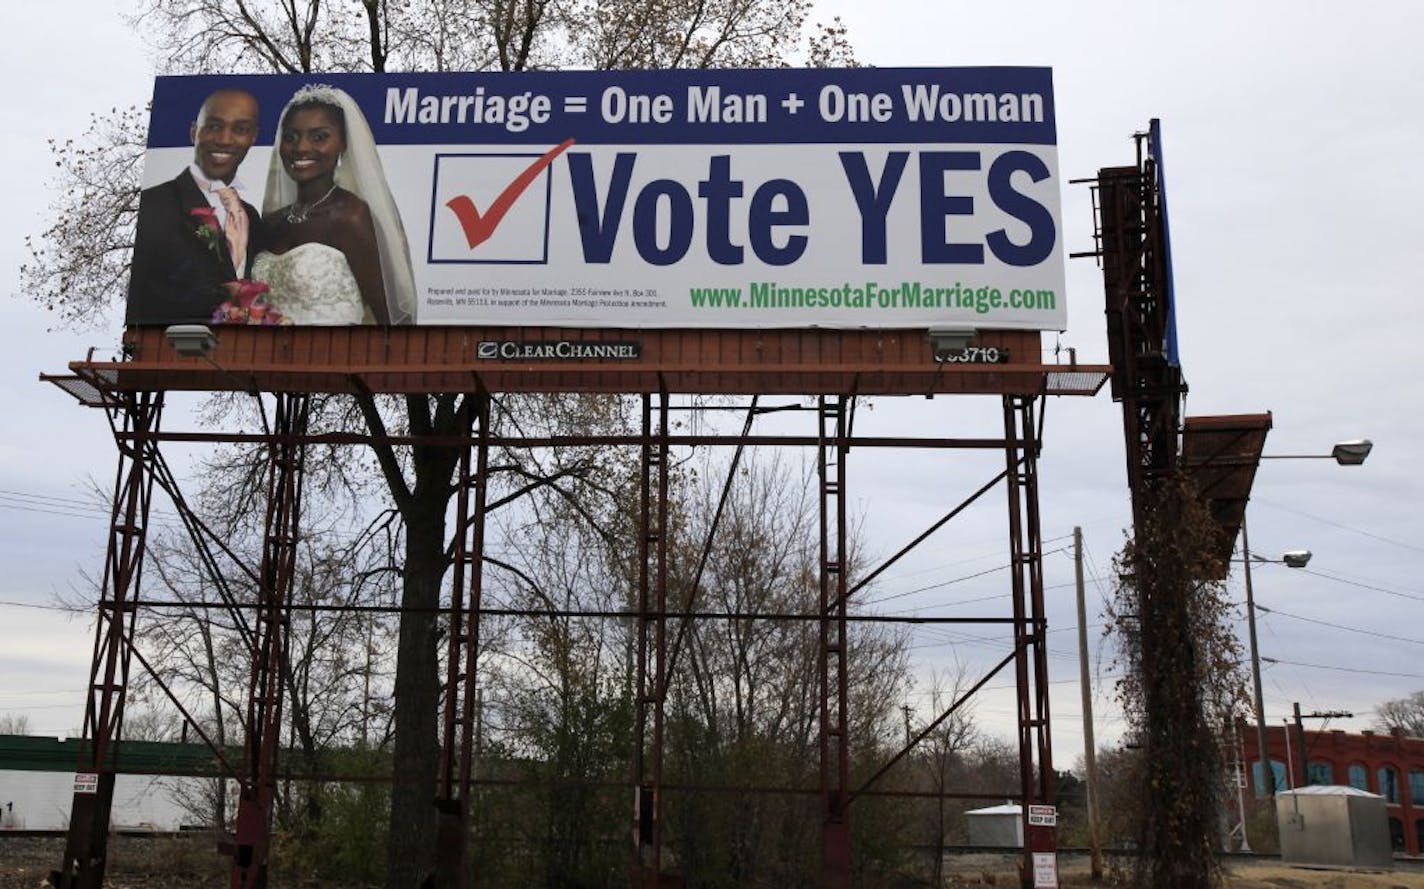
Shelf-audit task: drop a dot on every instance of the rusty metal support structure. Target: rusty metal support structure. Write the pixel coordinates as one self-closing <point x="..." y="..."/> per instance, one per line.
<point x="652" y="679"/>
<point x="833" y="417"/>
<point x="1147" y="379"/>
<point x="131" y="415"/>
<point x="656" y="651"/>
<point x="1037" y="785"/>
<point x="459" y="736"/>
<point x="250" y="845"/>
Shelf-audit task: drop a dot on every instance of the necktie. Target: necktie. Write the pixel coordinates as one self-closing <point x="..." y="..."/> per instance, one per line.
<point x="236" y="228"/>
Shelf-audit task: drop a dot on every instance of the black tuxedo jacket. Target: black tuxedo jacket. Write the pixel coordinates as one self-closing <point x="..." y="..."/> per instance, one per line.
<point x="177" y="276"/>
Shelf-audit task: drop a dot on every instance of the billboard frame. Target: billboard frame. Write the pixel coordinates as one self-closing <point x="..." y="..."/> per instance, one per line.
<point x="833" y="367"/>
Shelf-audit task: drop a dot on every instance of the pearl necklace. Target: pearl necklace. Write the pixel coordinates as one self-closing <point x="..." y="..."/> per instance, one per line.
<point x="298" y="213"/>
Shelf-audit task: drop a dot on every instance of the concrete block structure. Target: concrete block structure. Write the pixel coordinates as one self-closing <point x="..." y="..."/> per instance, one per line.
<point x="1389" y="764"/>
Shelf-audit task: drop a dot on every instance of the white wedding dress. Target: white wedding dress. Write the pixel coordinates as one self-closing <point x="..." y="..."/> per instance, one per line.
<point x="311" y="284"/>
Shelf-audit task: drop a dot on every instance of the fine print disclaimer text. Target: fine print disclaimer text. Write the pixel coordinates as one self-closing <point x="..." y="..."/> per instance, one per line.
<point x="528" y="297"/>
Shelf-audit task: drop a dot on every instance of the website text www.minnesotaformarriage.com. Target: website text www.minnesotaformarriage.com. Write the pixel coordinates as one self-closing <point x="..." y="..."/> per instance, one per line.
<point x="873" y="295"/>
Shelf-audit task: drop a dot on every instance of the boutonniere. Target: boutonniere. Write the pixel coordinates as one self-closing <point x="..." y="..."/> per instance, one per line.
<point x="208" y="230"/>
<point x="247" y="304"/>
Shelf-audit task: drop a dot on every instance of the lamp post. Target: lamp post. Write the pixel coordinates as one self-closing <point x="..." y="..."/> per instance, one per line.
<point x="1345" y="453"/>
<point x="1294" y="559"/>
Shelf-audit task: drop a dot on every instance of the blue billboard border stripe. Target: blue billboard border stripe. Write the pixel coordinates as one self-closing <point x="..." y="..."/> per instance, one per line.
<point x="176" y="100"/>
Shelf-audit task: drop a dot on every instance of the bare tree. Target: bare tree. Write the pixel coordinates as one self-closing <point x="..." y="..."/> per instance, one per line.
<point x="944" y="754"/>
<point x="1403" y="714"/>
<point x="97" y="192"/>
<point x="744" y="705"/>
<point x="197" y="645"/>
<point x="14" y="724"/>
<point x="556" y="702"/>
<point x="79" y="264"/>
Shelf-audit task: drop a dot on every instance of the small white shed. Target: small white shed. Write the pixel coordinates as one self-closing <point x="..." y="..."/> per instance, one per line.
<point x="1334" y="826"/>
<point x="996" y="826"/>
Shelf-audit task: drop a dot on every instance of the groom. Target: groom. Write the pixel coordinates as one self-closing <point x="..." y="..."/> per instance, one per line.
<point x="194" y="232"/>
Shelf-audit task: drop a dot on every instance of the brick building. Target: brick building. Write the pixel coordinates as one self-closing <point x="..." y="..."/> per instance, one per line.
<point x="1391" y="765"/>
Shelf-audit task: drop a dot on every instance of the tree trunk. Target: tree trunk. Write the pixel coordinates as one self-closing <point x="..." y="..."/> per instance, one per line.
<point x="410" y="851"/>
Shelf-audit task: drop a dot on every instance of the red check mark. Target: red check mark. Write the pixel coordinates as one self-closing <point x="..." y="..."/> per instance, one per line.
<point x="479" y="227"/>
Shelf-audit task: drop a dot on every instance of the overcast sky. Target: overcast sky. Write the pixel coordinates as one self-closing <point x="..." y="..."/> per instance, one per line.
<point x="1292" y="134"/>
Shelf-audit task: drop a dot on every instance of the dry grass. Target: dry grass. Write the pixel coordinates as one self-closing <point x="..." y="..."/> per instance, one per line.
<point x="1278" y="876"/>
<point x="182" y="861"/>
<point x="191" y="862"/>
<point x="1240" y="875"/>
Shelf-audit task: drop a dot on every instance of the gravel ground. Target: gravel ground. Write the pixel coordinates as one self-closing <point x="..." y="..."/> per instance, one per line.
<point x="191" y="862"/>
<point x="1243" y="872"/>
<point x="184" y="862"/>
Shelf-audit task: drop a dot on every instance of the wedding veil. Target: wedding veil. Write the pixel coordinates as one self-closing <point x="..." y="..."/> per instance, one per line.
<point x="360" y="173"/>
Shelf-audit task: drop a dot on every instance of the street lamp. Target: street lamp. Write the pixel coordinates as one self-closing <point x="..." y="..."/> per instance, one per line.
<point x="1346" y="453"/>
<point x="1351" y="452"/>
<point x="1296" y="558"/>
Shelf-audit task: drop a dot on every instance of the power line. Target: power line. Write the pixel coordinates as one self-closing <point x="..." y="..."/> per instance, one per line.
<point x="1272" y="660"/>
<point x="995" y="553"/>
<point x="85" y="507"/>
<point x="935" y="586"/>
<point x="1324" y="623"/>
<point x="10" y="604"/>
<point x="945" y="583"/>
<point x="69" y="706"/>
<point x="58" y="512"/>
<point x="947" y="637"/>
<point x="65" y="501"/>
<point x="1342" y="527"/>
<point x="1361" y="585"/>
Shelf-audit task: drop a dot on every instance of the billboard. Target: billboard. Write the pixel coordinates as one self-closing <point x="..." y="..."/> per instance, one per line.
<point x="854" y="198"/>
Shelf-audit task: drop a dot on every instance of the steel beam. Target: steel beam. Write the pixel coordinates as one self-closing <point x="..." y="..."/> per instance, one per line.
<point x="647" y="778"/>
<point x="1036" y="778"/>
<point x="833" y="435"/>
<point x="570" y="441"/>
<point x="86" y="848"/>
<point x="655" y="657"/>
<point x="250" y="846"/>
<point x="456" y="778"/>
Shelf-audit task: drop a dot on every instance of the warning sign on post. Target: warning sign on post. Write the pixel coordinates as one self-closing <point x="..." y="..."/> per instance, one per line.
<point x="1045" y="870"/>
<point x="1042" y="816"/>
<point x="86" y="782"/>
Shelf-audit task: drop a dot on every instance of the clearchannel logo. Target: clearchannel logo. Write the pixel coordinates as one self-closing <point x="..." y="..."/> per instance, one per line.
<point x="557" y="350"/>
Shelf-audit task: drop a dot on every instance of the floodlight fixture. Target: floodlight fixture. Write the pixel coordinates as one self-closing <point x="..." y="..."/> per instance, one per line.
<point x="1353" y="452"/>
<point x="191" y="340"/>
<point x="1295" y="558"/>
<point x="947" y="340"/>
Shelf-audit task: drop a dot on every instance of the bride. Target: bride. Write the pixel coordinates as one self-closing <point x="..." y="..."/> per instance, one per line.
<point x="334" y="249"/>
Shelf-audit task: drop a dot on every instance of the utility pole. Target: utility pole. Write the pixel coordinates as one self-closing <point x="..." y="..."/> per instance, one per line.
<point x="1263" y="753"/>
<point x="1304" y="773"/>
<point x="1300" y="736"/>
<point x="1090" y="753"/>
<point x="1290" y="757"/>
